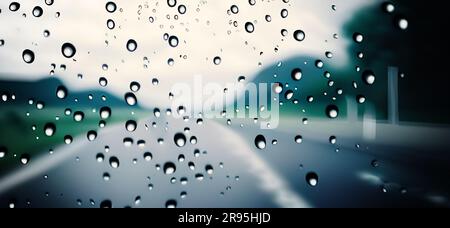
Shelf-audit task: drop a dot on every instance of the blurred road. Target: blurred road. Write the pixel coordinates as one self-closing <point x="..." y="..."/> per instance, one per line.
<point x="274" y="177"/>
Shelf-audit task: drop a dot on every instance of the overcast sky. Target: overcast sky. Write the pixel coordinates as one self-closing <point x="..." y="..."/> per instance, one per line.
<point x="205" y="31"/>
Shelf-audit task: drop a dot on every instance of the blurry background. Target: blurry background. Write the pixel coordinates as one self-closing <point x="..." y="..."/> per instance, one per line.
<point x="68" y="136"/>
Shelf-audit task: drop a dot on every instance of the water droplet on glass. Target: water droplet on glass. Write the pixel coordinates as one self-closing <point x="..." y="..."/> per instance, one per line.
<point x="37" y="11"/>
<point x="50" y="129"/>
<point x="114" y="162"/>
<point x="312" y="179"/>
<point x="28" y="56"/>
<point x="14" y="6"/>
<point x="131" y="45"/>
<point x="68" y="50"/>
<point x="173" y="41"/>
<point x="171" y="204"/>
<point x="61" y="92"/>
<point x="111" y="7"/>
<point x="180" y="139"/>
<point x="24" y="159"/>
<point x="260" y="142"/>
<point x="368" y="77"/>
<point x="169" y="168"/>
<point x="249" y="27"/>
<point x="135" y="86"/>
<point x="131" y="125"/>
<point x="332" y="111"/>
<point x="299" y="35"/>
<point x="131" y="99"/>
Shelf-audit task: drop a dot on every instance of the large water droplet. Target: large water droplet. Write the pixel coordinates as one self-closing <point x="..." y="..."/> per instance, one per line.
<point x="68" y="50"/>
<point x="24" y="159"/>
<point x="61" y="92"/>
<point x="260" y="142"/>
<point x="299" y="35"/>
<point x="171" y="204"/>
<point x="49" y="129"/>
<point x="332" y="111"/>
<point x="173" y="41"/>
<point x="131" y="125"/>
<point x="105" y="113"/>
<point x="106" y="204"/>
<point x="249" y="27"/>
<point x="296" y="74"/>
<point x="131" y="99"/>
<point x="169" y="168"/>
<point x="3" y="152"/>
<point x="91" y="135"/>
<point x="131" y="45"/>
<point x="368" y="77"/>
<point x="114" y="162"/>
<point x="28" y="56"/>
<point x="111" y="7"/>
<point x="312" y="179"/>
<point x="14" y="6"/>
<point x="37" y="11"/>
<point x="180" y="139"/>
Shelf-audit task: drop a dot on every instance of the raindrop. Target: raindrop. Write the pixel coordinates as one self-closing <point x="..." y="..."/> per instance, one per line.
<point x="249" y="27"/>
<point x="24" y="159"/>
<point x="49" y="2"/>
<point x="68" y="139"/>
<point x="103" y="81"/>
<point x="3" y="152"/>
<point x="61" y="92"/>
<point x="298" y="139"/>
<point x="358" y="37"/>
<point x="46" y="33"/>
<point x="78" y="116"/>
<point x="180" y="139"/>
<point x="14" y="6"/>
<point x="388" y="7"/>
<point x="106" y="204"/>
<point x="37" y="11"/>
<point x="131" y="45"/>
<point x="173" y="41"/>
<point x="135" y="86"/>
<point x="131" y="125"/>
<point x="105" y="113"/>
<point x="368" y="77"/>
<point x="131" y="99"/>
<point x="148" y="156"/>
<point x="332" y="111"/>
<point x="182" y="9"/>
<point x="171" y="204"/>
<point x="110" y="24"/>
<point x="114" y="162"/>
<point x="217" y="60"/>
<point x="312" y="179"/>
<point x="111" y="7"/>
<point x="209" y="169"/>
<point x="260" y="142"/>
<point x="402" y="23"/>
<point x="172" y="3"/>
<point x="28" y="56"/>
<point x="91" y="135"/>
<point x="50" y="129"/>
<point x="169" y="168"/>
<point x="333" y="140"/>
<point x="234" y="9"/>
<point x="299" y="35"/>
<point x="296" y="74"/>
<point x="68" y="50"/>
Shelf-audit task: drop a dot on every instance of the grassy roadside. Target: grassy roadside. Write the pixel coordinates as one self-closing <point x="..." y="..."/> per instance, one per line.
<point x="19" y="138"/>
